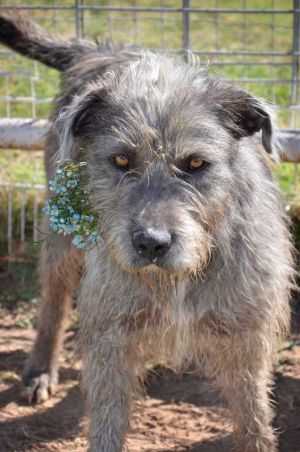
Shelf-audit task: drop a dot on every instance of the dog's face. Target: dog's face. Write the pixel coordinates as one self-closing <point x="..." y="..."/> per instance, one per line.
<point x="161" y="144"/>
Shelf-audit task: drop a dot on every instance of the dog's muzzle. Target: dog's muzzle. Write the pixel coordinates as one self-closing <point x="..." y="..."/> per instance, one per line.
<point x="151" y="244"/>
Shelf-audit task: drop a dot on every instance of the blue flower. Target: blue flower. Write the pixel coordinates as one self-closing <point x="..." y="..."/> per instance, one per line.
<point x="54" y="186"/>
<point x="46" y="209"/>
<point x="63" y="200"/>
<point x="60" y="174"/>
<point x="76" y="217"/>
<point x="54" y="211"/>
<point x="93" y="237"/>
<point x="53" y="219"/>
<point x="69" y="228"/>
<point x="78" y="241"/>
<point x="72" y="184"/>
<point x="54" y="226"/>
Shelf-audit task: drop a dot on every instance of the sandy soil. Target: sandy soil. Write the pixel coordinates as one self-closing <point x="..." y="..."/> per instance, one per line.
<point x="178" y="413"/>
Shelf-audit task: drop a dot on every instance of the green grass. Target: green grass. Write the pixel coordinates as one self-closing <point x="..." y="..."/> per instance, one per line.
<point x="22" y="166"/>
<point x="156" y="30"/>
<point x="285" y="174"/>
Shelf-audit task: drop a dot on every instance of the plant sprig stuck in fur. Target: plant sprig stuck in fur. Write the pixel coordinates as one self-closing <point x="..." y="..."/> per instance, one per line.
<point x="69" y="208"/>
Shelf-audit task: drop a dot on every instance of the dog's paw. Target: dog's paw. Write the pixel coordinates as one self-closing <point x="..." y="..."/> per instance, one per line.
<point x="38" y="389"/>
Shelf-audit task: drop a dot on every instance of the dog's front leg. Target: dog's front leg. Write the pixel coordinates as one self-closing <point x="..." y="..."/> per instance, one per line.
<point x="108" y="381"/>
<point x="244" y="377"/>
<point x="60" y="269"/>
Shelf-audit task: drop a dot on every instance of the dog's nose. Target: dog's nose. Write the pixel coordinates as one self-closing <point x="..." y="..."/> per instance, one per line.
<point x="151" y="243"/>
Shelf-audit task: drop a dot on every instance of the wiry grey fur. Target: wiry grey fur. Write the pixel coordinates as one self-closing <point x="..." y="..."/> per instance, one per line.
<point x="221" y="291"/>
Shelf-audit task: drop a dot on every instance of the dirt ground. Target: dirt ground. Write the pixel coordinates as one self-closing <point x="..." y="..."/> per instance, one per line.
<point x="178" y="413"/>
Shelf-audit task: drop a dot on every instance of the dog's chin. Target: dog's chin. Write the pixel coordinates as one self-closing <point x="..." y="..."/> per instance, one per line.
<point x="146" y="266"/>
<point x="150" y="269"/>
<point x="140" y="266"/>
<point x="133" y="263"/>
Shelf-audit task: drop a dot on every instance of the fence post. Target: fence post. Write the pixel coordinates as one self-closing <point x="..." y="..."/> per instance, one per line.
<point x="79" y="19"/>
<point x="185" y="28"/>
<point x="295" y="98"/>
<point x="9" y="220"/>
<point x="295" y="90"/>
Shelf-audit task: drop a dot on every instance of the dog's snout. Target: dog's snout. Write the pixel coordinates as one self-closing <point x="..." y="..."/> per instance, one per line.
<point x="151" y="243"/>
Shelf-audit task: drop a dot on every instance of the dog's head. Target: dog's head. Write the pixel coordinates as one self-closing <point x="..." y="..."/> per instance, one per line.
<point x="161" y="140"/>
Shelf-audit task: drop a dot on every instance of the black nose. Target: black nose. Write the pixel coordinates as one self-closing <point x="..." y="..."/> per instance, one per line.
<point x="151" y="243"/>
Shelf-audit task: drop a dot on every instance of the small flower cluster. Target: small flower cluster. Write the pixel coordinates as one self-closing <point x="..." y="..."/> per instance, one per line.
<point x="69" y="208"/>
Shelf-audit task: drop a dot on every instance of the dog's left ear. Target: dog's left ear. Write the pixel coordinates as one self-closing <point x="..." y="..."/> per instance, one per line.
<point x="86" y="115"/>
<point x="243" y="115"/>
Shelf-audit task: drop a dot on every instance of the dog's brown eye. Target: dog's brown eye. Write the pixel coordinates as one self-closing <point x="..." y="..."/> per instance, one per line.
<point x="121" y="161"/>
<point x="195" y="163"/>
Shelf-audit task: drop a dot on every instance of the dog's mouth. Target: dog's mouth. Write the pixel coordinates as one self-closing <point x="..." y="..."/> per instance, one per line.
<point x="155" y="264"/>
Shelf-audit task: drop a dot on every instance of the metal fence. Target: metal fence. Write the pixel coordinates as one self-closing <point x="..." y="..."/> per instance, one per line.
<point x="254" y="43"/>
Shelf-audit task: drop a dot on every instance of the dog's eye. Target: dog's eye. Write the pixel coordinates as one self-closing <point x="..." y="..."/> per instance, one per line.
<point x="195" y="163"/>
<point x="121" y="161"/>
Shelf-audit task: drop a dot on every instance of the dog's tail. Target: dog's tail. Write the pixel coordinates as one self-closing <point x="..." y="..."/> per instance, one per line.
<point x="23" y="35"/>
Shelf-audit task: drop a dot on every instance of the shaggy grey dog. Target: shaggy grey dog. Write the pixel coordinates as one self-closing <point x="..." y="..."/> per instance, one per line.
<point x="194" y="262"/>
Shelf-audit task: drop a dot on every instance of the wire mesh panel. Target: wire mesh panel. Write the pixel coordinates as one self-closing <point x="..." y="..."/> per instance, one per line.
<point x="255" y="43"/>
<point x="22" y="203"/>
<point x="21" y="199"/>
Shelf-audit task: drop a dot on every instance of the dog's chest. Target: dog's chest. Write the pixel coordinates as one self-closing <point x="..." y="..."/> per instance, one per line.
<point x="172" y="307"/>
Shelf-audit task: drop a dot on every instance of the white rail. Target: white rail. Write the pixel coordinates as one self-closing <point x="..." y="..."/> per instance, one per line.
<point x="29" y="134"/>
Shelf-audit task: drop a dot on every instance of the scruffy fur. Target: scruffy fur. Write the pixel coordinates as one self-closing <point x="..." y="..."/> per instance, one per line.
<point x="220" y="292"/>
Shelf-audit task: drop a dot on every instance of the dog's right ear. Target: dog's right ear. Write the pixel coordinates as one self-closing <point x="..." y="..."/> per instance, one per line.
<point x="80" y="120"/>
<point x="242" y="114"/>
